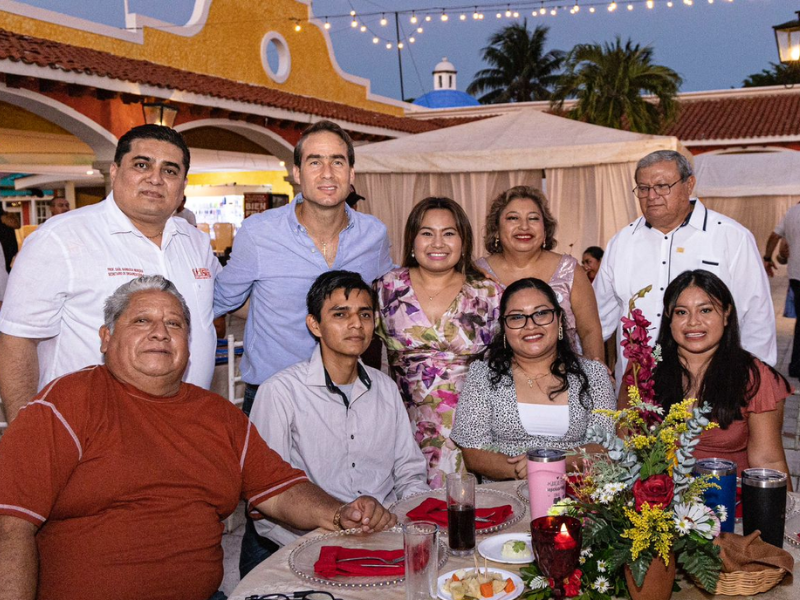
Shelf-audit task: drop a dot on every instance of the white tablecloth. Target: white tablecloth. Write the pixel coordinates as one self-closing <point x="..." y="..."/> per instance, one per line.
<point x="274" y="575"/>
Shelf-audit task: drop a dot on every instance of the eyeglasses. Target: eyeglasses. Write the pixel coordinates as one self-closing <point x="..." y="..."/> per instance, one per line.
<point x="305" y="595"/>
<point x="661" y="189"/>
<point x="540" y="317"/>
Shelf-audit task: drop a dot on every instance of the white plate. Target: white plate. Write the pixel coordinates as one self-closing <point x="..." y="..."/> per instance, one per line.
<point x="518" y="585"/>
<point x="492" y="548"/>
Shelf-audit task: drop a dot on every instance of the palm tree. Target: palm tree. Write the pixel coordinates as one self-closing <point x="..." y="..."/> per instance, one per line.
<point x="781" y="74"/>
<point x="609" y="81"/>
<point x="520" y="69"/>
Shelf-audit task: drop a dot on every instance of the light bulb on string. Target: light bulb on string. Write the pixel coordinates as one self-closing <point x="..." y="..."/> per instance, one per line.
<point x="576" y="8"/>
<point x="508" y="13"/>
<point x="650" y="3"/>
<point x="327" y="25"/>
<point x="427" y="18"/>
<point x="353" y="23"/>
<point x="612" y="7"/>
<point x="352" y="13"/>
<point x="591" y="9"/>
<point x="444" y="17"/>
<point x="711" y="1"/>
<point x="630" y="6"/>
<point x="516" y="15"/>
<point x="375" y="40"/>
<point x="412" y="39"/>
<point x="399" y="45"/>
<point x="535" y="13"/>
<point x="476" y="15"/>
<point x="419" y="30"/>
<point x="297" y="27"/>
<point x="363" y="28"/>
<point x="383" y="21"/>
<point x="388" y="45"/>
<point x="499" y="15"/>
<point x="669" y="4"/>
<point x="463" y="17"/>
<point x="414" y="19"/>
<point x="553" y="12"/>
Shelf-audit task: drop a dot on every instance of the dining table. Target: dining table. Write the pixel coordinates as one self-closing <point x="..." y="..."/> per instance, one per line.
<point x="274" y="575"/>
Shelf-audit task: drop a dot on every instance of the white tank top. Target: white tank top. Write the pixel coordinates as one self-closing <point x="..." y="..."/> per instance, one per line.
<point x="541" y="419"/>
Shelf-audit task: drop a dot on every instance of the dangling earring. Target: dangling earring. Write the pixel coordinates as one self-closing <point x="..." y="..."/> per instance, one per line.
<point x="560" y="332"/>
<point x="544" y="245"/>
<point x="504" y="341"/>
<point x="497" y="246"/>
<point x="412" y="254"/>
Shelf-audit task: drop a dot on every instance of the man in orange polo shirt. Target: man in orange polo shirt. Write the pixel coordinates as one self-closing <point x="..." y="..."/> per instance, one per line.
<point x="116" y="478"/>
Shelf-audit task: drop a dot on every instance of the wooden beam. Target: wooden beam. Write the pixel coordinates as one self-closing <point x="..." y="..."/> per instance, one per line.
<point x="105" y="94"/>
<point x="77" y="91"/>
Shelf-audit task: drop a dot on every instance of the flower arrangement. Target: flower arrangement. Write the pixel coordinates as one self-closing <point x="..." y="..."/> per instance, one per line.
<point x="640" y="501"/>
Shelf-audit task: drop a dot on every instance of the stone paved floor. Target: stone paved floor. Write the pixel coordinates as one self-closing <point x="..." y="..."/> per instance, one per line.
<point x="785" y="327"/>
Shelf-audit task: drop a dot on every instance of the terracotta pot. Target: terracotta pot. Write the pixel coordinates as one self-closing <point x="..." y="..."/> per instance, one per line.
<point x="658" y="580"/>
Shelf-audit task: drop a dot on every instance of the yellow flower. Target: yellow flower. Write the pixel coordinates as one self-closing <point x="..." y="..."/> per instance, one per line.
<point x="680" y="412"/>
<point x="639" y="442"/>
<point x="651" y="528"/>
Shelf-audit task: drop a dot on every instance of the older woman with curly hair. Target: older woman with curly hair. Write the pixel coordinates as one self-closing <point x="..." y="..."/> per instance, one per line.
<point x="520" y="237"/>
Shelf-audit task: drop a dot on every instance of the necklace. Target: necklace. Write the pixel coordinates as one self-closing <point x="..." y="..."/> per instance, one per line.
<point x="533" y="379"/>
<point x="152" y="237"/>
<point x="428" y="294"/>
<point x="314" y="238"/>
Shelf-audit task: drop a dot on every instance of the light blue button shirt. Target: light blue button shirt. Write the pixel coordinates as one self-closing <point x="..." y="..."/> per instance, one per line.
<point x="274" y="262"/>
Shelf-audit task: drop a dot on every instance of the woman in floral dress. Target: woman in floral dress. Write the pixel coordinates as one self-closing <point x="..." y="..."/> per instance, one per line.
<point x="437" y="314"/>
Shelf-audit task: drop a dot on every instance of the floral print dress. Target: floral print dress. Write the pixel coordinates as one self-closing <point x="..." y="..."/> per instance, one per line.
<point x="429" y="361"/>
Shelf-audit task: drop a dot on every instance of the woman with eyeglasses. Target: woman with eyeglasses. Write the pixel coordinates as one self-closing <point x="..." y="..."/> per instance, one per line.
<point x="531" y="390"/>
<point x="436" y="314"/>
<point x="520" y="237"/>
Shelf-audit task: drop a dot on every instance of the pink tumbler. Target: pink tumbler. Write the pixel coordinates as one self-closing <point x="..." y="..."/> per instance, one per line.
<point x="547" y="468"/>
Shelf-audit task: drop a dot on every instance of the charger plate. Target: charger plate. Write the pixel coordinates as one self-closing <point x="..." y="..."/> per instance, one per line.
<point x="484" y="498"/>
<point x="303" y="558"/>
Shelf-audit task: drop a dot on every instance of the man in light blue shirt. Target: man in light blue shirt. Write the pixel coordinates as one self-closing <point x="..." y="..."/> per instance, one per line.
<point x="279" y="253"/>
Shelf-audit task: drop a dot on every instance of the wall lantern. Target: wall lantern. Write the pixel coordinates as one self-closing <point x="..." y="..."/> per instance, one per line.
<point x="158" y="113"/>
<point x="787" y="35"/>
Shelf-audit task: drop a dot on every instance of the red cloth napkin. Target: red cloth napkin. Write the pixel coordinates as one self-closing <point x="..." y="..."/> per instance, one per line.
<point x="327" y="566"/>
<point x="436" y="511"/>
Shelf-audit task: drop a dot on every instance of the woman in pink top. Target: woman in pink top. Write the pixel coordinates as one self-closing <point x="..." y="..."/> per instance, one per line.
<point x="702" y="358"/>
<point x="520" y="236"/>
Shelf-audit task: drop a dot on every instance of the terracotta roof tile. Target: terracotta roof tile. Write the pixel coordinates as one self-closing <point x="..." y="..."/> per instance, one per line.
<point x="46" y="53"/>
<point x="736" y="118"/>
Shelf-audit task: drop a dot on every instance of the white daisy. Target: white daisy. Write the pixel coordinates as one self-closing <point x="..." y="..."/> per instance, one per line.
<point x="722" y="512"/>
<point x="586" y="553"/>
<point x="601" y="566"/>
<point x="601" y="584"/>
<point x="697" y="517"/>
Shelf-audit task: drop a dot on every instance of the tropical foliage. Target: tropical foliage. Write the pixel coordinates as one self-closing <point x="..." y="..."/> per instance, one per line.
<point x="609" y="81"/>
<point x="777" y="74"/>
<point x="520" y="69"/>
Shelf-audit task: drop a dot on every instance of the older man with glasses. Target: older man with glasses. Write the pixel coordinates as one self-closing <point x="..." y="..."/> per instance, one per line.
<point x="676" y="233"/>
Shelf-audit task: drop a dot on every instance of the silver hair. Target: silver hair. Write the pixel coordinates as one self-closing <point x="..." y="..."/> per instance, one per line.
<point x="117" y="303"/>
<point x="683" y="164"/>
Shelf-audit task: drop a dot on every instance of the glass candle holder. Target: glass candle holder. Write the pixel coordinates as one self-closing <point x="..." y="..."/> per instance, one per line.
<point x="557" y="548"/>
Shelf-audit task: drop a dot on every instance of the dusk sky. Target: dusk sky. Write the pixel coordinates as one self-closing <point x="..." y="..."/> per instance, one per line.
<point x="712" y="46"/>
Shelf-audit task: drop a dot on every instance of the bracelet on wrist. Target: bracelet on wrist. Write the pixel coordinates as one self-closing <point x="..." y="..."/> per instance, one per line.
<point x="337" y="517"/>
<point x="767" y="259"/>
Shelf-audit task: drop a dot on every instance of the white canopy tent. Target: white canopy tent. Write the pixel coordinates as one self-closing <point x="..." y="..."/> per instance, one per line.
<point x="588" y="170"/>
<point x="754" y="188"/>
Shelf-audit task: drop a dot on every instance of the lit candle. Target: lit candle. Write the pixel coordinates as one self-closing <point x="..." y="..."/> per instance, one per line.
<point x="563" y="540"/>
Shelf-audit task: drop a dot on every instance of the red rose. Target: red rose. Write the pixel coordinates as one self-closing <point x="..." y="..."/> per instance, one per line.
<point x="656" y="490"/>
<point x="572" y="584"/>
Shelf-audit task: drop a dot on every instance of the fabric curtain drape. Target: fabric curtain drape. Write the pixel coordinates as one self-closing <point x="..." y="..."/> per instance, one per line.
<point x="591" y="204"/>
<point x="760" y="214"/>
<point x="390" y="197"/>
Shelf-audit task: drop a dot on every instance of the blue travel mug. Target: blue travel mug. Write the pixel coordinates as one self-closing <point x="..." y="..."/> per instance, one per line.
<point x="724" y="472"/>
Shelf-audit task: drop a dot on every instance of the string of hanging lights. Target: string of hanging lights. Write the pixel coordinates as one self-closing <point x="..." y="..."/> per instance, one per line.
<point x="375" y="22"/>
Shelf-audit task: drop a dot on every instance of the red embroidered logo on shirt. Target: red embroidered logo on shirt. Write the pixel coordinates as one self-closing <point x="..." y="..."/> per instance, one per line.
<point x="124" y="271"/>
<point x="201" y="273"/>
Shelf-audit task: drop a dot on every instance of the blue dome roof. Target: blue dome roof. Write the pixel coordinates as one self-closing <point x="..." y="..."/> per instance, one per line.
<point x="445" y="99"/>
